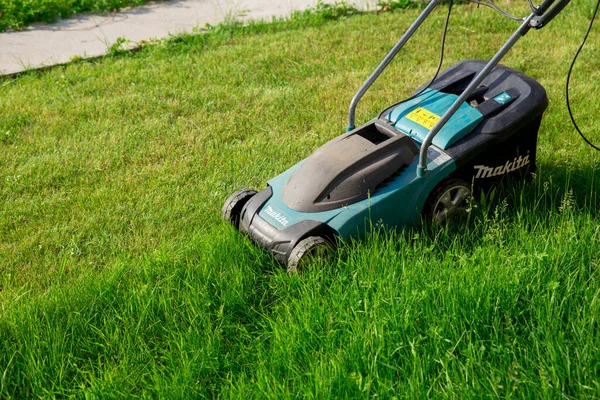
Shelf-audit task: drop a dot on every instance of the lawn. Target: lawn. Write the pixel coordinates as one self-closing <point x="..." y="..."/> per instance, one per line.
<point x="118" y="278"/>
<point x="18" y="14"/>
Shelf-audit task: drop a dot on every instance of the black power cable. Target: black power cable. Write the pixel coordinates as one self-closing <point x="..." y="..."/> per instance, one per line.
<point x="443" y="46"/>
<point x="493" y="6"/>
<point x="569" y="78"/>
<point x="487" y="3"/>
<point x="439" y="66"/>
<point x="532" y="7"/>
<point x="441" y="60"/>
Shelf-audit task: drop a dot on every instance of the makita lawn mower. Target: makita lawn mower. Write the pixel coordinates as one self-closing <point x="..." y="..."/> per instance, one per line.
<point x="471" y="126"/>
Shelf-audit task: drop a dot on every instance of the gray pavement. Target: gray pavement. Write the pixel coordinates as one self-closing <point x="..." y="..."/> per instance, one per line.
<point x="91" y="35"/>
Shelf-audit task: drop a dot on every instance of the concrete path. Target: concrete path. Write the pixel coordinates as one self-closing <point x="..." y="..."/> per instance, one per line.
<point x="91" y="35"/>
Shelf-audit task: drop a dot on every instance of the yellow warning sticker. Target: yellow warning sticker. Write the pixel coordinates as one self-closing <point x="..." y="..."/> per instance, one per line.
<point x="423" y="117"/>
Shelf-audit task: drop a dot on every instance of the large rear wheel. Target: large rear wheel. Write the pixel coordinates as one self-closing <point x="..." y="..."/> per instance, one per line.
<point x="449" y="201"/>
<point x="232" y="208"/>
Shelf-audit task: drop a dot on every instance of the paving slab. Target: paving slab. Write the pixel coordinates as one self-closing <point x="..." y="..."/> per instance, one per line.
<point x="91" y="35"/>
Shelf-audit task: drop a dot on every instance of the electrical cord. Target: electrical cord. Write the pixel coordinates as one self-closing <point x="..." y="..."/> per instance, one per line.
<point x="486" y="3"/>
<point x="439" y="66"/>
<point x="569" y="78"/>
<point x="532" y="7"/>
<point x="506" y="14"/>
<point x="492" y="5"/>
<point x="442" y="47"/>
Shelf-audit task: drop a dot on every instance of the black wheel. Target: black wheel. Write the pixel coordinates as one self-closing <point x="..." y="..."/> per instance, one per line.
<point x="307" y="250"/>
<point x="233" y="205"/>
<point x="450" y="200"/>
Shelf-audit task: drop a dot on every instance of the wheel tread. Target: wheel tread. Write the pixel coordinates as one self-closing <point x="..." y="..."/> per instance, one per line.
<point x="301" y="249"/>
<point x="234" y="203"/>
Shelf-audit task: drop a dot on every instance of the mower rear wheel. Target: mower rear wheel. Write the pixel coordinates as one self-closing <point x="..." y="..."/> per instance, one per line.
<point x="308" y="250"/>
<point x="233" y="205"/>
<point x="450" y="200"/>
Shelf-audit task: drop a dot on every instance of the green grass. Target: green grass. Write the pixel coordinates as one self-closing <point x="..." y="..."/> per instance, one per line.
<point x="118" y="279"/>
<point x="18" y="14"/>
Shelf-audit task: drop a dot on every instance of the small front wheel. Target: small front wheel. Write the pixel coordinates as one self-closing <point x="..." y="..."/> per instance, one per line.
<point x="308" y="250"/>
<point x="233" y="205"/>
<point x="450" y="200"/>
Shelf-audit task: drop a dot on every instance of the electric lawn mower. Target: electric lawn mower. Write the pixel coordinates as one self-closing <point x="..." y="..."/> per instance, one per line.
<point x="471" y="127"/>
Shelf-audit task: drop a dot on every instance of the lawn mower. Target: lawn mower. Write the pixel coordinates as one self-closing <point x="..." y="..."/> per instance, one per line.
<point x="472" y="126"/>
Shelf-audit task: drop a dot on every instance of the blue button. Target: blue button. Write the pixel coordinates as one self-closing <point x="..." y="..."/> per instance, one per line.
<point x="503" y="98"/>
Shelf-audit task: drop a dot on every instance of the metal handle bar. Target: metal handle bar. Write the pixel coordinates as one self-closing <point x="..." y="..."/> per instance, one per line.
<point x="541" y="9"/>
<point x="536" y="20"/>
<point x="363" y="89"/>
<point x="523" y="29"/>
<point x="539" y="21"/>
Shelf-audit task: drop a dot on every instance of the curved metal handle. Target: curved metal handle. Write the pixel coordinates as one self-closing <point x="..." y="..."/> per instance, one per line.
<point x="390" y="56"/>
<point x="523" y="29"/>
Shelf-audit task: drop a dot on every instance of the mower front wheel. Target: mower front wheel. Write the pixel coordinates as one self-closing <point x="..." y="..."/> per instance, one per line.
<point x="233" y="205"/>
<point x="308" y="250"/>
<point x="450" y="200"/>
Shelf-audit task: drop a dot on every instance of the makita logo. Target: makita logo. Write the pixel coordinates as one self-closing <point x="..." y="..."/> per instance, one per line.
<point x="483" y="171"/>
<point x="277" y="216"/>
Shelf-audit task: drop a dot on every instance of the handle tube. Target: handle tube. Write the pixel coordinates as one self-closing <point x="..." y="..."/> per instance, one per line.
<point x="540" y="21"/>
<point x="521" y="31"/>
<point x="541" y="9"/>
<point x="388" y="58"/>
